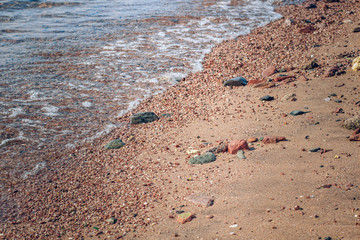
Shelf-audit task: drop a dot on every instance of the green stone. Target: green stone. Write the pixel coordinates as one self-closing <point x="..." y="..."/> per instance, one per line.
<point x="205" y="158"/>
<point x="115" y="144"/>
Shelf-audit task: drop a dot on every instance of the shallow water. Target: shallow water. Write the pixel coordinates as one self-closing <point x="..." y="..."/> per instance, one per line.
<point x="69" y="68"/>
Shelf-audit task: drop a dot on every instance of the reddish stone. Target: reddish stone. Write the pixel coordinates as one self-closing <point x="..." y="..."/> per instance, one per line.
<point x="281" y="78"/>
<point x="357" y="131"/>
<point x="254" y="82"/>
<point x="355" y="137"/>
<point x="184" y="217"/>
<point x="269" y="71"/>
<point x="273" y="139"/>
<point x="331" y="71"/>
<point x="237" y="145"/>
<point x="307" y="29"/>
<point x="252" y="139"/>
<point x="339" y="110"/>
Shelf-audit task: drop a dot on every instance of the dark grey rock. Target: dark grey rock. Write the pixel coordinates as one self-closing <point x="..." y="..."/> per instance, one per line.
<point x="115" y="144"/>
<point x="315" y="150"/>
<point x="238" y="81"/>
<point x="205" y="158"/>
<point x="267" y="98"/>
<point x="297" y="112"/>
<point x="145" y="117"/>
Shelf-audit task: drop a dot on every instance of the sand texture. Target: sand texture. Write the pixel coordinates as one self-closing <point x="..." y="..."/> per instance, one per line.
<point x="300" y="175"/>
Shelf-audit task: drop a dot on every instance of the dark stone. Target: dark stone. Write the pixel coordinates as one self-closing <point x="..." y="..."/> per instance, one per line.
<point x="115" y="144"/>
<point x="145" y="117"/>
<point x="297" y="112"/>
<point x="267" y="98"/>
<point x="313" y="64"/>
<point x="238" y="81"/>
<point x="315" y="150"/>
<point x="357" y="30"/>
<point x="205" y="158"/>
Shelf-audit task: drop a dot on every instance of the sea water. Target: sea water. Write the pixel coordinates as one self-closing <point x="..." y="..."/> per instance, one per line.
<point x="69" y="68"/>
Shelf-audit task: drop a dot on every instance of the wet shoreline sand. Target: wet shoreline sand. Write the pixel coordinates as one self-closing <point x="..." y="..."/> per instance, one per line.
<point x="279" y="191"/>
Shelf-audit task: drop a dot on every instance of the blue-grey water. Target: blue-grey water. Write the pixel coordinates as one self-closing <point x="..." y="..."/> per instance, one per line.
<point x="69" y="68"/>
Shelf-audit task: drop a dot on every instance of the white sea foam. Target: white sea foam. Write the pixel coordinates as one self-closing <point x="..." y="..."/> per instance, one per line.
<point x="15" y="112"/>
<point x="34" y="171"/>
<point x="50" y="111"/>
<point x="87" y="104"/>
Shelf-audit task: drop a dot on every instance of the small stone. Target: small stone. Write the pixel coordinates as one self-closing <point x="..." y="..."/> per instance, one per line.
<point x="144" y="117"/>
<point x="355" y="137"/>
<point x="297" y="112"/>
<point x="310" y="5"/>
<point x="234" y="225"/>
<point x="238" y="81"/>
<point x="202" y="159"/>
<point x="281" y="78"/>
<point x="115" y="144"/>
<point x="111" y="220"/>
<point x="356" y="30"/>
<point x="315" y="150"/>
<point x="339" y="110"/>
<point x="331" y="71"/>
<point x="240" y="154"/>
<point x="252" y="139"/>
<point x="307" y="29"/>
<point x="237" y="145"/>
<point x="192" y="151"/>
<point x="267" y="98"/>
<point x="352" y="123"/>
<point x="210" y="216"/>
<point x="269" y="71"/>
<point x="201" y="199"/>
<point x="288" y="96"/>
<point x="313" y="64"/>
<point x="184" y="217"/>
<point x="289" y="22"/>
<point x="356" y="64"/>
<point x="272" y="139"/>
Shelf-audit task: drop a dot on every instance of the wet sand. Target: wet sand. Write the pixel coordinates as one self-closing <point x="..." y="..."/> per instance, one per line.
<point x="280" y="191"/>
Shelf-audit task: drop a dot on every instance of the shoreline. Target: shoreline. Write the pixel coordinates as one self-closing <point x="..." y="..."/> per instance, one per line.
<point x="92" y="184"/>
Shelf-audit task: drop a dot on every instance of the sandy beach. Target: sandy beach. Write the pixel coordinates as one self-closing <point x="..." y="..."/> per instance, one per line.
<point x="298" y="177"/>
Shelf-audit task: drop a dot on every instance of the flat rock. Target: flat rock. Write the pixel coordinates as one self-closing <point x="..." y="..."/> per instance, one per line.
<point x="115" y="144"/>
<point x="234" y="82"/>
<point x="144" y="117"/>
<point x="252" y="139"/>
<point x="201" y="199"/>
<point x="352" y="123"/>
<point x="184" y="217"/>
<point x="269" y="71"/>
<point x="297" y="112"/>
<point x="205" y="158"/>
<point x="267" y="98"/>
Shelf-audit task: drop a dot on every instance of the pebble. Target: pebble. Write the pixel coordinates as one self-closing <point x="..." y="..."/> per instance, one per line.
<point x="313" y="64"/>
<point x="237" y="145"/>
<point x="111" y="220"/>
<point x="297" y="112"/>
<point x="238" y="81"/>
<point x="315" y="150"/>
<point x="184" y="217"/>
<point x="240" y="154"/>
<point x="205" y="158"/>
<point x="115" y="144"/>
<point x="288" y="96"/>
<point x="356" y="64"/>
<point x="144" y="117"/>
<point x="267" y="98"/>
<point x="201" y="199"/>
<point x="352" y="123"/>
